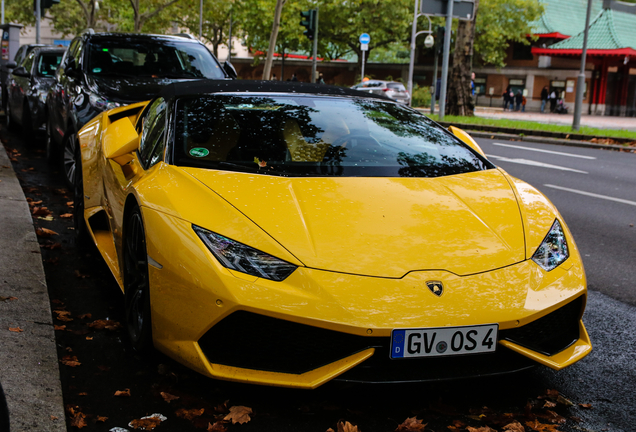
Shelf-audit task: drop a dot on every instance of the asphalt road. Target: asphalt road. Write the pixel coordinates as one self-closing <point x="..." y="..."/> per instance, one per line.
<point x="82" y="291"/>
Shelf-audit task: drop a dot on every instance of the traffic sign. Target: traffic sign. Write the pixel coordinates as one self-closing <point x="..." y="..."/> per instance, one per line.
<point x="462" y="9"/>
<point x="364" y="47"/>
<point x="365" y="38"/>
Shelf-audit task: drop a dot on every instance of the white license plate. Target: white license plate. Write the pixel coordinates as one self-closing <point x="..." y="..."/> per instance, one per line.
<point x="443" y="341"/>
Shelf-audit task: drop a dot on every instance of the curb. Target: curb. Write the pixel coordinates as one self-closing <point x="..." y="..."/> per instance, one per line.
<point x="546" y="140"/>
<point x="30" y="372"/>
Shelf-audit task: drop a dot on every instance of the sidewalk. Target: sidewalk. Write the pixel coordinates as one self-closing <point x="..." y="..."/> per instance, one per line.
<point x="29" y="368"/>
<point x="601" y="122"/>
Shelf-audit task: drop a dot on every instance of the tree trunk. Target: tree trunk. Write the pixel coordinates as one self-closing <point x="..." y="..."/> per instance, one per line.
<point x="460" y="100"/>
<point x="272" y="40"/>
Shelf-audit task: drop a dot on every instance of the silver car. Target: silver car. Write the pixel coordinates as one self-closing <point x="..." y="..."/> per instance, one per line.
<point x="390" y="89"/>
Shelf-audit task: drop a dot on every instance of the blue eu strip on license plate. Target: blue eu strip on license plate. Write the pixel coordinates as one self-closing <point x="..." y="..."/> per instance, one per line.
<point x="443" y="341"/>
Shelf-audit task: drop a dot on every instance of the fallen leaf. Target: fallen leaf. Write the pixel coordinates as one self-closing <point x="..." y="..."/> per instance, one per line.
<point x="168" y="397"/>
<point x="69" y="360"/>
<point x="189" y="414"/>
<point x="66" y="215"/>
<point x="51" y="246"/>
<point x="89" y="338"/>
<point x="82" y="394"/>
<point x="85" y="316"/>
<point x="239" y="414"/>
<point x="105" y="324"/>
<point x="41" y="211"/>
<point x="549" y="404"/>
<point x="411" y="424"/>
<point x="59" y="327"/>
<point x="146" y="423"/>
<point x="76" y="417"/>
<point x="6" y="299"/>
<point x="514" y="427"/>
<point x="53" y="417"/>
<point x="63" y="315"/>
<point x="347" y="427"/>
<point x="102" y="419"/>
<point x="551" y="416"/>
<point x="81" y="275"/>
<point x="540" y="427"/>
<point x="120" y="393"/>
<point x="217" y="427"/>
<point x="70" y="203"/>
<point x="15" y="329"/>
<point x="586" y="406"/>
<point x="44" y="232"/>
<point x="480" y="429"/>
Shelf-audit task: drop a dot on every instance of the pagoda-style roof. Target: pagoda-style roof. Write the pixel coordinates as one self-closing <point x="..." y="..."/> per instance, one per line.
<point x="611" y="33"/>
<point x="563" y="18"/>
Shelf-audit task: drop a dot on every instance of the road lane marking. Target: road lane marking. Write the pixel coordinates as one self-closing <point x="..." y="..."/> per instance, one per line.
<point x="590" y="194"/>
<point x="534" y="163"/>
<point x="544" y="151"/>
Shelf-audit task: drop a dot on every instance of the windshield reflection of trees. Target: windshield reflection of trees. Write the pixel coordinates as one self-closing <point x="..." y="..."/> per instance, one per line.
<point x="261" y="120"/>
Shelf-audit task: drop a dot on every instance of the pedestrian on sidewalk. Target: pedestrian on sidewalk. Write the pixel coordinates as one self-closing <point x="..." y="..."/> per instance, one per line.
<point x="544" y="98"/>
<point x="506" y="100"/>
<point x="518" y="100"/>
<point x="523" y="104"/>
<point x="553" y="101"/>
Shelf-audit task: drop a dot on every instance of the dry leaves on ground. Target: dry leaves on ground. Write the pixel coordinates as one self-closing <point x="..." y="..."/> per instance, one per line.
<point x="70" y="360"/>
<point x="63" y="315"/>
<point x="15" y="329"/>
<point x="45" y="232"/>
<point x="146" y="423"/>
<point x="85" y="316"/>
<point x="76" y="417"/>
<point x="239" y="414"/>
<point x="59" y="327"/>
<point x="411" y="424"/>
<point x="105" y="324"/>
<point x="7" y="299"/>
<point x="217" y="427"/>
<point x="102" y="419"/>
<point x="535" y="425"/>
<point x="66" y="215"/>
<point x="189" y="414"/>
<point x="41" y="211"/>
<point x="121" y="393"/>
<point x="514" y="427"/>
<point x="586" y="406"/>
<point x="168" y="397"/>
<point x="480" y="429"/>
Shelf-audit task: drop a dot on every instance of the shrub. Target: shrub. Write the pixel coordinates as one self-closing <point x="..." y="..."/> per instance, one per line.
<point x="421" y="96"/>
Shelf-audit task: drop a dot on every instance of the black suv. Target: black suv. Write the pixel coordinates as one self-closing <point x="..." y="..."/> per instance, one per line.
<point x="101" y="71"/>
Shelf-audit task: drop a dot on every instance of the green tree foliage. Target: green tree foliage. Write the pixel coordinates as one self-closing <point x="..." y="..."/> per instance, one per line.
<point x="500" y="22"/>
<point x="216" y="20"/>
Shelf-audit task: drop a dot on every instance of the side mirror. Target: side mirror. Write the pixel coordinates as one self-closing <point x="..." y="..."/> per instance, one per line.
<point x="11" y="65"/>
<point x="21" y="72"/>
<point x="120" y="140"/>
<point x="466" y="139"/>
<point x="230" y="70"/>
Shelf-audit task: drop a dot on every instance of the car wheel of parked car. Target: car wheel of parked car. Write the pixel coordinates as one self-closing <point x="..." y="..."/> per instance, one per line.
<point x="82" y="235"/>
<point x="136" y="283"/>
<point x="68" y="157"/>
<point x="9" y="119"/>
<point x="27" y="127"/>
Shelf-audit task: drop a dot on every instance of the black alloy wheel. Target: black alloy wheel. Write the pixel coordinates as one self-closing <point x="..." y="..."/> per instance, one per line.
<point x="68" y="157"/>
<point x="27" y="127"/>
<point x="136" y="283"/>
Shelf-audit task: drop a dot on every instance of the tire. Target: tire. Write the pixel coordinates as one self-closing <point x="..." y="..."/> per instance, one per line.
<point x="51" y="147"/>
<point x="28" y="134"/>
<point x="136" y="283"/>
<point x="9" y="118"/>
<point x="82" y="236"/>
<point x="68" y="157"/>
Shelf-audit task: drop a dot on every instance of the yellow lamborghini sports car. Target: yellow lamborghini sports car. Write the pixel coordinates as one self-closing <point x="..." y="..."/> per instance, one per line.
<point x="288" y="234"/>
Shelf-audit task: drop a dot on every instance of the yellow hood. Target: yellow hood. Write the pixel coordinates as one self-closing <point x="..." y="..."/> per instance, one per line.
<point x="386" y="227"/>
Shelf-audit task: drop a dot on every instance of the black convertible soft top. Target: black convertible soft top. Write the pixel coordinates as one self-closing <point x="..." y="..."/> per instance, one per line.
<point x="186" y="88"/>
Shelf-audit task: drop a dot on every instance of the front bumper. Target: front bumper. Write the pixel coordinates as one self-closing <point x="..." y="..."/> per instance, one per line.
<point x="316" y="325"/>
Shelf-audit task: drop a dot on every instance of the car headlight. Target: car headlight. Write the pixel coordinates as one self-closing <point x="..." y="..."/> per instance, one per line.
<point x="553" y="250"/>
<point x="242" y="258"/>
<point x="101" y="103"/>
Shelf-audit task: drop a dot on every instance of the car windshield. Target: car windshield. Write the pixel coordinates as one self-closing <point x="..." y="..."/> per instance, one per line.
<point x="48" y="63"/>
<point x="152" y="58"/>
<point x="396" y="86"/>
<point x="302" y="135"/>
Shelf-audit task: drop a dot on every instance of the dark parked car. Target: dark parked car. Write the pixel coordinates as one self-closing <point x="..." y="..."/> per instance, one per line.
<point x="28" y="86"/>
<point x="102" y="71"/>
<point x="5" y="71"/>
